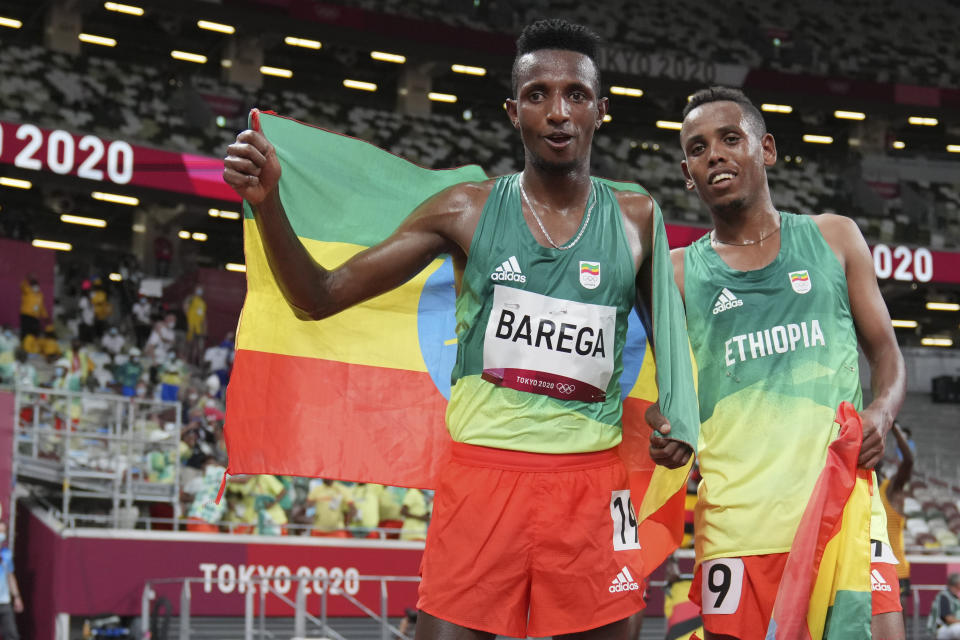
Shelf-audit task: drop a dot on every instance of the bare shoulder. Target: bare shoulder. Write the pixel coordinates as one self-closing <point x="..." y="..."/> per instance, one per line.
<point x="842" y="234"/>
<point x="452" y="213"/>
<point x="636" y="206"/>
<point x="836" y="227"/>
<point x="462" y="197"/>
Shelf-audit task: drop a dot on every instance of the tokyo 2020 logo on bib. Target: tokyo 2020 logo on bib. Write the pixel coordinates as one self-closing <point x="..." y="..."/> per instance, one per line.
<point x="437" y="332"/>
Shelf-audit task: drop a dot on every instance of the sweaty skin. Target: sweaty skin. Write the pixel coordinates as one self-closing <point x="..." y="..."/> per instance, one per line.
<point x="556" y="111"/>
<point x="725" y="163"/>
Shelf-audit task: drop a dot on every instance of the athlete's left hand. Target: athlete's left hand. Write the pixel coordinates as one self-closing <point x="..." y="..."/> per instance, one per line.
<point x="876" y="423"/>
<point x="663" y="451"/>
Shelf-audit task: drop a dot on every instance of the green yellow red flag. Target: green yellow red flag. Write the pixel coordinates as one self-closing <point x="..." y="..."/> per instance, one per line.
<point x="362" y="395"/>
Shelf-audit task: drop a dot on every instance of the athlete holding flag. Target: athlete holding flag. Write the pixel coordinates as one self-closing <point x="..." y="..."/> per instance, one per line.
<point x="533" y="529"/>
<point x="776" y="305"/>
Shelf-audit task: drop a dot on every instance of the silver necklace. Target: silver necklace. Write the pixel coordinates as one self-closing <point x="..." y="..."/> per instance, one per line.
<point x="546" y="235"/>
<point x="745" y="243"/>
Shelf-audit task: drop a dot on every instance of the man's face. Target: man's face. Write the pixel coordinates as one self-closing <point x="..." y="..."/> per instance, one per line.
<point x="557" y="108"/>
<point x="725" y="156"/>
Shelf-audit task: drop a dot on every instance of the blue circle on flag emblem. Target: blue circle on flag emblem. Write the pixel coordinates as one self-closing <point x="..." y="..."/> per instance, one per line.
<point x="437" y="332"/>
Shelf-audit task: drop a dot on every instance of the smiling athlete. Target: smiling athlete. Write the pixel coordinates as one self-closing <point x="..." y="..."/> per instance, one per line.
<point x="776" y="304"/>
<point x="533" y="531"/>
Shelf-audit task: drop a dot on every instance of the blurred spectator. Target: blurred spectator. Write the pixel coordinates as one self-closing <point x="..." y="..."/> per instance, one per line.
<point x="101" y="308"/>
<point x="142" y="315"/>
<point x="161" y="464"/>
<point x="127" y="374"/>
<point x="11" y="601"/>
<point x="212" y="385"/>
<point x="910" y="443"/>
<point x="329" y="503"/>
<point x="8" y="344"/>
<point x="238" y="518"/>
<point x="102" y="374"/>
<point x="892" y="494"/>
<point x="195" y="310"/>
<point x="85" y="330"/>
<point x="49" y="345"/>
<point x="193" y="447"/>
<point x="79" y="365"/>
<point x="171" y="376"/>
<point x="204" y="513"/>
<point x="60" y="369"/>
<point x="162" y="252"/>
<point x="416" y="515"/>
<point x="262" y="496"/>
<point x="944" y="620"/>
<point x="32" y="311"/>
<point x="366" y="509"/>
<point x="24" y="373"/>
<point x="162" y="339"/>
<point x="217" y="358"/>
<point x="391" y="499"/>
<point x="113" y="341"/>
<point x="289" y="493"/>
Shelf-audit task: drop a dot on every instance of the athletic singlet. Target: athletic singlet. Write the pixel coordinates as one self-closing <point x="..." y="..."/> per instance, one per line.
<point x="540" y="331"/>
<point x="896" y="523"/>
<point x="776" y="351"/>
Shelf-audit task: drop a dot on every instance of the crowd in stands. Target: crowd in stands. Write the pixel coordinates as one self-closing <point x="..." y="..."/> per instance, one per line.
<point x="103" y="340"/>
<point x="895" y="40"/>
<point x="286" y="505"/>
<point x="137" y="103"/>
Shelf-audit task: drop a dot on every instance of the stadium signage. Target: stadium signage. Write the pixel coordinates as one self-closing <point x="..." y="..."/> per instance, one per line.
<point x="59" y="151"/>
<point x="661" y="65"/>
<point x="33" y="148"/>
<point x="903" y="263"/>
<point x="229" y="577"/>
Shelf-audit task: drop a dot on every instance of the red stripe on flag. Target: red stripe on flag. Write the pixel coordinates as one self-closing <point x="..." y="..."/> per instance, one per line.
<point x="662" y="531"/>
<point x="822" y="520"/>
<point x="313" y="417"/>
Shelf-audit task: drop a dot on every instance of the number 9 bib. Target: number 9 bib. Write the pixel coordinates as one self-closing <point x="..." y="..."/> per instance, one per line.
<point x="722" y="585"/>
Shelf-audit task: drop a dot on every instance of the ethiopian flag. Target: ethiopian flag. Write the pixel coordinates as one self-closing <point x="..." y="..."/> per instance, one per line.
<point x="825" y="589"/>
<point x="362" y="395"/>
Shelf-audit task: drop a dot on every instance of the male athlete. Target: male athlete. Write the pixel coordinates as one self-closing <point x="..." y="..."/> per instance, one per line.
<point x="525" y="537"/>
<point x="775" y="305"/>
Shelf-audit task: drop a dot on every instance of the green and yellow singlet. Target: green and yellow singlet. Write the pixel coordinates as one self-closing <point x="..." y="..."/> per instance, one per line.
<point x="540" y="331"/>
<point x="776" y="352"/>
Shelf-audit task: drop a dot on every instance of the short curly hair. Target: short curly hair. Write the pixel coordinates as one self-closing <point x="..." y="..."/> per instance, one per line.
<point x="556" y="34"/>
<point x="728" y="94"/>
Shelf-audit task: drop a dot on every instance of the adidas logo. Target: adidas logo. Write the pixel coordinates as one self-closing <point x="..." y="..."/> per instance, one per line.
<point x="726" y="301"/>
<point x="877" y="583"/>
<point x="509" y="271"/>
<point x="623" y="582"/>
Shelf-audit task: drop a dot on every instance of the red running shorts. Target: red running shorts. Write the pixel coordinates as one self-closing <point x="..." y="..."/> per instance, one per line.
<point x="532" y="544"/>
<point x="743" y="591"/>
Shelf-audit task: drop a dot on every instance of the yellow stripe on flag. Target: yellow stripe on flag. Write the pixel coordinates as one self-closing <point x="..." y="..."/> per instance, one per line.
<point x="845" y="566"/>
<point x="381" y="332"/>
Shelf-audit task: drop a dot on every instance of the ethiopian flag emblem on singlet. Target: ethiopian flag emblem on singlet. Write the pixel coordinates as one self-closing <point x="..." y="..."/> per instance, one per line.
<point x="800" y="281"/>
<point x="589" y="274"/>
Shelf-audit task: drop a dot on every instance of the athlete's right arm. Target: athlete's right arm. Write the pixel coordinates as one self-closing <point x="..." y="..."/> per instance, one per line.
<point x="439" y="225"/>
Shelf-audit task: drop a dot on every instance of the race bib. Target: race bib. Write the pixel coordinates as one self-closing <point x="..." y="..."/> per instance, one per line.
<point x="881" y="552"/>
<point x="722" y="585"/>
<point x="554" y="347"/>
